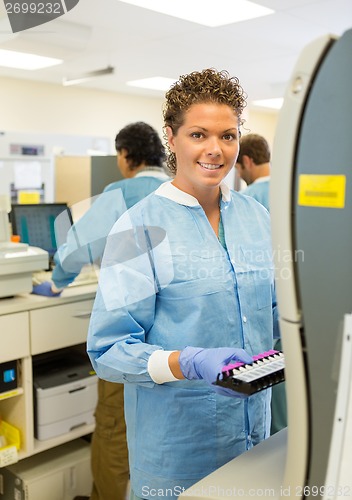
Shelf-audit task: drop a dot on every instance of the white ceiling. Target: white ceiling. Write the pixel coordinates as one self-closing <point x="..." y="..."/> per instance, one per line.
<point x="140" y="43"/>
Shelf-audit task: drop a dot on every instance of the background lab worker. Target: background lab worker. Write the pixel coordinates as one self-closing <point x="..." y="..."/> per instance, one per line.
<point x="253" y="166"/>
<point x="140" y="157"/>
<point x="198" y="256"/>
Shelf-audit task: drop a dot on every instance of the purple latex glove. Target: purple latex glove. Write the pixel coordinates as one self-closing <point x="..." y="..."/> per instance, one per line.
<point x="197" y="363"/>
<point x="45" y="289"/>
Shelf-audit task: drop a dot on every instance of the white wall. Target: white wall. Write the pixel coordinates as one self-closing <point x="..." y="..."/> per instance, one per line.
<point x="28" y="106"/>
<point x="262" y="123"/>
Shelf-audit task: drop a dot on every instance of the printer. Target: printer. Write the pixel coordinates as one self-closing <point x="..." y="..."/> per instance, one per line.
<point x="65" y="393"/>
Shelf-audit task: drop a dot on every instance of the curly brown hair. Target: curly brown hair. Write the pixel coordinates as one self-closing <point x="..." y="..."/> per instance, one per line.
<point x="256" y="147"/>
<point x="207" y="86"/>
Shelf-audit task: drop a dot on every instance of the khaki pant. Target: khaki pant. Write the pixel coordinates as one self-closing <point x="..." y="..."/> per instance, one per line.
<point x="109" y="448"/>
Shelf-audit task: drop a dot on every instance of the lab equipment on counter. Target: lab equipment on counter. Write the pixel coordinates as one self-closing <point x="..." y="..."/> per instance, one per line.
<point x="17" y="260"/>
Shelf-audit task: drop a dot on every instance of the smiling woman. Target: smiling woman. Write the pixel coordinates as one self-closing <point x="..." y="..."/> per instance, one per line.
<point x="202" y="120"/>
<point x="206" y="147"/>
<point x="170" y="315"/>
<point x="208" y="86"/>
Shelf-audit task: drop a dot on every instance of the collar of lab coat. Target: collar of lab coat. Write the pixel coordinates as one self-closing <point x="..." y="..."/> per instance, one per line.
<point x="156" y="172"/>
<point x="265" y="178"/>
<point x="168" y="190"/>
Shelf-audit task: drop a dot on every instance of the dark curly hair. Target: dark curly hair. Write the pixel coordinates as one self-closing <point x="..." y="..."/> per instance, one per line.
<point x="207" y="86"/>
<point x="256" y="147"/>
<point x="142" y="143"/>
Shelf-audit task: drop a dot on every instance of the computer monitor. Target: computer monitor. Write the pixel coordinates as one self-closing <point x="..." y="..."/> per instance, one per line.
<point x="37" y="225"/>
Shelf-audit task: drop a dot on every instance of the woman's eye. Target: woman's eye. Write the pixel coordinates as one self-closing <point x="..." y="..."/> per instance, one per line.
<point x="197" y="135"/>
<point x="229" y="137"/>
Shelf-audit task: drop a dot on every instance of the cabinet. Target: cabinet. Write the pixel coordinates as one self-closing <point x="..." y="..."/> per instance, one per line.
<point x="79" y="178"/>
<point x="59" y="326"/>
<point x="31" y="325"/>
<point x="62" y="474"/>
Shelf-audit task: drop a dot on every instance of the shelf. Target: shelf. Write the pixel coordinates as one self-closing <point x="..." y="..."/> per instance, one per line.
<point x="11" y="394"/>
<point x="64" y="438"/>
<point x="27" y="320"/>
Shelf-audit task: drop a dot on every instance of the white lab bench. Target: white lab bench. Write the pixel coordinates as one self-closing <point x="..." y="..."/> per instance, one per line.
<point x="258" y="473"/>
<point x="31" y="325"/>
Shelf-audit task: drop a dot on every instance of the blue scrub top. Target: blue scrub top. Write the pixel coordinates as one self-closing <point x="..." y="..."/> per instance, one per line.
<point x="260" y="192"/>
<point x="86" y="239"/>
<point x="172" y="284"/>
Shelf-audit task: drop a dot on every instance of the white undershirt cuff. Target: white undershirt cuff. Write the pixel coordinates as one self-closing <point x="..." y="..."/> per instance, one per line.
<point x="158" y="367"/>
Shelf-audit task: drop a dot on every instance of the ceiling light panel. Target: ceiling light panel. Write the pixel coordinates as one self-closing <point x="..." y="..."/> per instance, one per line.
<point x="275" y="103"/>
<point x="206" y="12"/>
<point x="85" y="77"/>
<point x="23" y="60"/>
<point x="154" y="83"/>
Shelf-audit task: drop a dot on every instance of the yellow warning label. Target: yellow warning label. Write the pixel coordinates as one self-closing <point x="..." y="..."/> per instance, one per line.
<point x="32" y="197"/>
<point x="9" y="394"/>
<point x="322" y="191"/>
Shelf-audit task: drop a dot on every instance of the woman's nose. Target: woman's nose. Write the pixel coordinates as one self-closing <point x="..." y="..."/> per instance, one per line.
<point x="213" y="147"/>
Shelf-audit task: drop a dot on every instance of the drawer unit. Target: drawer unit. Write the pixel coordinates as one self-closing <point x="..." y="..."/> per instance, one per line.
<point x="34" y="329"/>
<point x="14" y="334"/>
<point x="57" y="474"/>
<point x="59" y="326"/>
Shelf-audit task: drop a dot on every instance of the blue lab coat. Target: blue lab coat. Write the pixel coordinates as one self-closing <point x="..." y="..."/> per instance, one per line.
<point x="260" y="192"/>
<point x="85" y="241"/>
<point x="170" y="285"/>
